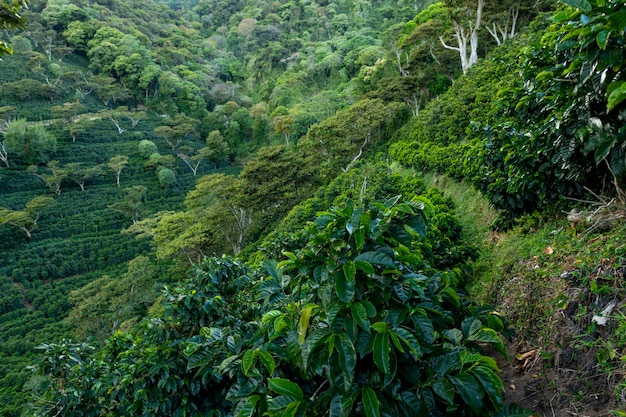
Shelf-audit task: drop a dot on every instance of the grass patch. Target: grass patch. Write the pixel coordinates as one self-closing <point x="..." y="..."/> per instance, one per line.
<point x="555" y="282"/>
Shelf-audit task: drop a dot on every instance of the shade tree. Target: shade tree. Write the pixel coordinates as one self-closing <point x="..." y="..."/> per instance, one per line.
<point x="192" y="158"/>
<point x="31" y="142"/>
<point x="26" y="220"/>
<point x="146" y="148"/>
<point x="116" y="164"/>
<point x="133" y="203"/>
<point x="80" y="172"/>
<point x="338" y="142"/>
<point x="176" y="129"/>
<point x="52" y="175"/>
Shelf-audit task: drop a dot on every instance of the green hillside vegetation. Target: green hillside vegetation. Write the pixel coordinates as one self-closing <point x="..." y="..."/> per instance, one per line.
<point x="219" y="208"/>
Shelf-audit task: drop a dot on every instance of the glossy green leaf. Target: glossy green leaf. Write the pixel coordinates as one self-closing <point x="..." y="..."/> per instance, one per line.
<point x="412" y="400"/>
<point x="267" y="360"/>
<point x="355" y="221"/>
<point x="311" y="343"/>
<point x="248" y="360"/>
<point x="491" y="382"/>
<point x="277" y="406"/>
<point x="249" y="407"/>
<point x="602" y="38"/>
<point x="381" y="327"/>
<point x="409" y="340"/>
<point x="359" y="315"/>
<point x="376" y="258"/>
<point x="349" y="271"/>
<point x="365" y="267"/>
<point x="617" y="20"/>
<point x="344" y="288"/>
<point x="284" y="386"/>
<point x="396" y="341"/>
<point x="380" y="350"/>
<point x="347" y="358"/>
<point x="444" y="389"/>
<point x="371" y="405"/>
<point x="470" y="390"/>
<point x="336" y="410"/>
<point x="487" y="335"/>
<point x="424" y="326"/>
<point x="617" y="94"/>
<point x="359" y="238"/>
<point x="270" y="315"/>
<point x="369" y="307"/>
<point x="227" y="362"/>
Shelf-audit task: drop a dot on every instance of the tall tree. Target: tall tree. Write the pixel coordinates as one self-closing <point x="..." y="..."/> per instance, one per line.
<point x="467" y="21"/>
<point x="31" y="142"/>
<point x="132" y="205"/>
<point x="53" y="175"/>
<point x="26" y="220"/>
<point x="116" y="164"/>
<point x="80" y="173"/>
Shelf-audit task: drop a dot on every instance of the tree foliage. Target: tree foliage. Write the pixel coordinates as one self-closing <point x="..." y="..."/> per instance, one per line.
<point x="11" y="18"/>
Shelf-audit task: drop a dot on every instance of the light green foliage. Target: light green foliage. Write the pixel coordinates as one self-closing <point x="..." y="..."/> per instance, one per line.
<point x="53" y="175"/>
<point x="104" y="305"/>
<point x="26" y="220"/>
<point x="167" y="177"/>
<point x="146" y="148"/>
<point x="116" y="164"/>
<point x="32" y="143"/>
<point x="81" y="173"/>
<point x="339" y="141"/>
<point x="176" y="129"/>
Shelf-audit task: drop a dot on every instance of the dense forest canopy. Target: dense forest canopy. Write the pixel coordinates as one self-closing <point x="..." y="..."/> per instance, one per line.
<point x="235" y="154"/>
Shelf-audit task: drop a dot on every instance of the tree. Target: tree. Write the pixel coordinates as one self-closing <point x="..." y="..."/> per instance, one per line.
<point x="283" y="124"/>
<point x="340" y="141"/>
<point x="219" y="197"/>
<point x="176" y="129"/>
<point x="104" y="305"/>
<point x="116" y="164"/>
<point x="68" y="111"/>
<point x="132" y="205"/>
<point x="81" y="173"/>
<point x="10" y="18"/>
<point x="464" y="34"/>
<point x="192" y="161"/>
<point x="4" y="153"/>
<point x="146" y="148"/>
<point x="26" y="220"/>
<point x="167" y="177"/>
<point x="217" y="149"/>
<point x="31" y="142"/>
<point x="53" y="177"/>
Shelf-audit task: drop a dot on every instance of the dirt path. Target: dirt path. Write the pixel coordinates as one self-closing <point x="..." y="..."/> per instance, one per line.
<point x="20" y="286"/>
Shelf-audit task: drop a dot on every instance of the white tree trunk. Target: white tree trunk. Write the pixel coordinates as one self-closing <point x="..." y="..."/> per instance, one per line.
<point x="462" y="38"/>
